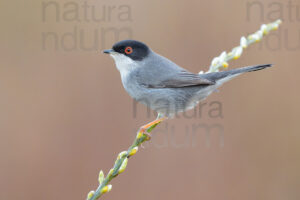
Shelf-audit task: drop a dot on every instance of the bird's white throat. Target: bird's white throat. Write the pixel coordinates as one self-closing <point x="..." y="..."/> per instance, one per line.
<point x="124" y="64"/>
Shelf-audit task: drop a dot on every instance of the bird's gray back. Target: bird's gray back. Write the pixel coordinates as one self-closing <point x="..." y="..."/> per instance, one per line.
<point x="156" y="68"/>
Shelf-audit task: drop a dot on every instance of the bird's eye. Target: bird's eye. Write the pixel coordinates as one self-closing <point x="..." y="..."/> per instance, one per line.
<point x="128" y="50"/>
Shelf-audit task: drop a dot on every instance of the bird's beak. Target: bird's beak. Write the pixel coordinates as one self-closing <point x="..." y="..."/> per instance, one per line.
<point x="108" y="51"/>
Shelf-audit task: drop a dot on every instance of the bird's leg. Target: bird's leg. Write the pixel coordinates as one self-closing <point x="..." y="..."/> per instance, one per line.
<point x="144" y="129"/>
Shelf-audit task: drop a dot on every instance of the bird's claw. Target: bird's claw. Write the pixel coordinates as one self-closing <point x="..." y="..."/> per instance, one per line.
<point x="144" y="132"/>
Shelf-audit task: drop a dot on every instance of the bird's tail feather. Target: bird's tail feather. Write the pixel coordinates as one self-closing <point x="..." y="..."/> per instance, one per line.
<point x="229" y="74"/>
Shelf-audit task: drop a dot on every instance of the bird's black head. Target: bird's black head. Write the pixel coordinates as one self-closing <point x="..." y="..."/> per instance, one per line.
<point x="133" y="49"/>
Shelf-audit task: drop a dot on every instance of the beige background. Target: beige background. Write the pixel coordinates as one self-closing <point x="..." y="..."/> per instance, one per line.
<point x="65" y="115"/>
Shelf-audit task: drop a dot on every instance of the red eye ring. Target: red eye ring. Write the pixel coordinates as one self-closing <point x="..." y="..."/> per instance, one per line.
<point x="128" y="50"/>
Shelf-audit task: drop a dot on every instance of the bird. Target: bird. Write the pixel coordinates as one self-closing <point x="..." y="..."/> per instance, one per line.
<point x="162" y="85"/>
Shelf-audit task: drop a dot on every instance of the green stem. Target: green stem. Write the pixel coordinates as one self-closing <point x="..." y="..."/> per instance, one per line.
<point x="118" y="163"/>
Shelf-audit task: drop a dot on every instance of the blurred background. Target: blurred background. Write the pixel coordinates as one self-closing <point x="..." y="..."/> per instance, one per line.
<point x="65" y="115"/>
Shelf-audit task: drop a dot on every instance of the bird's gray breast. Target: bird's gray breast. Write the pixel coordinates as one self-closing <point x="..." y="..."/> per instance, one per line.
<point x="132" y="86"/>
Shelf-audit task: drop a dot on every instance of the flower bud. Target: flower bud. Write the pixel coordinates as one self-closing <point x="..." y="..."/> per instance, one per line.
<point x="237" y="52"/>
<point x="111" y="171"/>
<point x="225" y="64"/>
<point x="243" y="42"/>
<point x="123" y="166"/>
<point x="264" y="29"/>
<point x="90" y="194"/>
<point x="133" y="151"/>
<point x="123" y="153"/>
<point x="106" y="189"/>
<point x="101" y="177"/>
<point x="215" y="61"/>
<point x="222" y="56"/>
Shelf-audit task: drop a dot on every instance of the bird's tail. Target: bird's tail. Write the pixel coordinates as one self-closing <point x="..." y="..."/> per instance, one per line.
<point x="229" y="74"/>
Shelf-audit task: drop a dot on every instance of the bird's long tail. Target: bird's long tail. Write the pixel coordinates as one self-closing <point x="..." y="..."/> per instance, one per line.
<point x="224" y="76"/>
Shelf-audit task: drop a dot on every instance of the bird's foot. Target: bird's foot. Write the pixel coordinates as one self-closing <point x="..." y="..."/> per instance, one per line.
<point x="144" y="131"/>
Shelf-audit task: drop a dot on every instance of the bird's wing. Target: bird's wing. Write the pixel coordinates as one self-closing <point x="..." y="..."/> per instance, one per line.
<point x="178" y="79"/>
<point x="160" y="72"/>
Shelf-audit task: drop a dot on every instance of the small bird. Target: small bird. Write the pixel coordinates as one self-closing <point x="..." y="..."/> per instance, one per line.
<point x="162" y="85"/>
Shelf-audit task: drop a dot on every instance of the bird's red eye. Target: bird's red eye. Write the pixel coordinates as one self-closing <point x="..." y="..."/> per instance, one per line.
<point x="128" y="50"/>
